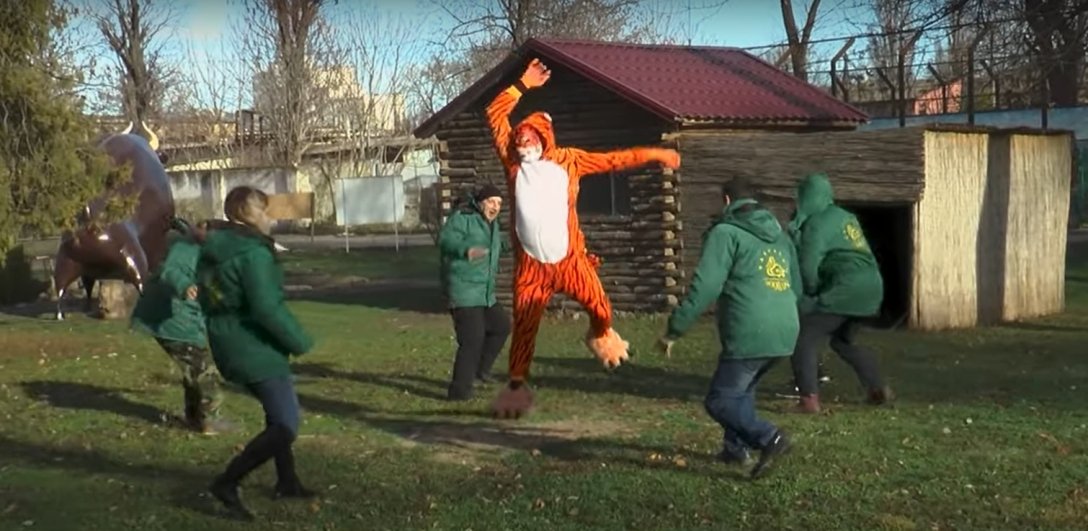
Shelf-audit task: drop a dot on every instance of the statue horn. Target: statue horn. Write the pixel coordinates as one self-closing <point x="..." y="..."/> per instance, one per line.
<point x="127" y="129"/>
<point x="152" y="138"/>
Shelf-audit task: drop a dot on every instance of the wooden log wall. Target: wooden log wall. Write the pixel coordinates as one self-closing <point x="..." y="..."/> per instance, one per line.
<point x="639" y="251"/>
<point x="883" y="166"/>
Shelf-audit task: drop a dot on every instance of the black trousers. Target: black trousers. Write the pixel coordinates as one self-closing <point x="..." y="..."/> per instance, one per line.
<point x="481" y="333"/>
<point x="817" y="330"/>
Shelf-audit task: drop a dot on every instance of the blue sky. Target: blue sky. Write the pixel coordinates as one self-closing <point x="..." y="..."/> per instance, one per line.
<point x="203" y="24"/>
<point x="733" y="23"/>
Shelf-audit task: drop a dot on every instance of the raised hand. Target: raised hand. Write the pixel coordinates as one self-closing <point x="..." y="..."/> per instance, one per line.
<point x="536" y="74"/>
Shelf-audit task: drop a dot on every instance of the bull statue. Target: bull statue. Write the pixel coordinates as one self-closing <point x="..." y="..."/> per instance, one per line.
<point x="124" y="250"/>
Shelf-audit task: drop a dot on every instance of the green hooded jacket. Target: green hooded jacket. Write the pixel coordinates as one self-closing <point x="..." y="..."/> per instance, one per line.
<point x="250" y="329"/>
<point x="163" y="311"/>
<point x="841" y="276"/>
<point x="467" y="282"/>
<point x="748" y="265"/>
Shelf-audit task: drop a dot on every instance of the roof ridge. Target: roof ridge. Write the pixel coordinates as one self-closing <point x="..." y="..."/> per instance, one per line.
<point x="625" y="44"/>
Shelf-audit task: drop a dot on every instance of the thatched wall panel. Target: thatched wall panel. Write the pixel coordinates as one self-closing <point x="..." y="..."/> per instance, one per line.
<point x="946" y="231"/>
<point x="1039" y="193"/>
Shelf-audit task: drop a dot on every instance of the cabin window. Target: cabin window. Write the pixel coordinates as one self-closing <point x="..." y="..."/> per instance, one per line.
<point x="605" y="195"/>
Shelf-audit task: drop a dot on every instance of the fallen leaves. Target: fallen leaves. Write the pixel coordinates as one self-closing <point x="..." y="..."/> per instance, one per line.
<point x="1062" y="449"/>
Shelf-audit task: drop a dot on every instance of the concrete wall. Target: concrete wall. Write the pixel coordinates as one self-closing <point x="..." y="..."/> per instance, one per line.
<point x="199" y="190"/>
<point x="1072" y="118"/>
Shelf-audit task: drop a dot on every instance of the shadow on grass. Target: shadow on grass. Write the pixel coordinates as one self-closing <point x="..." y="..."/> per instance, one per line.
<point x="409" y="296"/>
<point x="1042" y="327"/>
<point x="186" y="492"/>
<point x="74" y="395"/>
<point x="587" y="376"/>
<point x="586" y="444"/>
<point x="420" y="386"/>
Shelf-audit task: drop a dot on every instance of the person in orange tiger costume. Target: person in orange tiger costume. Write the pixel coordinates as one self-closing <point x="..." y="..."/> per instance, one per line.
<point x="549" y="247"/>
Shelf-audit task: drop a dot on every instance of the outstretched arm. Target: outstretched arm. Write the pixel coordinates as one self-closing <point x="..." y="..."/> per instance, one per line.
<point x="498" y="111"/>
<point x="498" y="119"/>
<point x="706" y="284"/>
<point x="589" y="163"/>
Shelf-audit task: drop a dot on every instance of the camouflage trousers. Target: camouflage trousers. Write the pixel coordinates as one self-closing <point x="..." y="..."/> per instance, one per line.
<point x="199" y="379"/>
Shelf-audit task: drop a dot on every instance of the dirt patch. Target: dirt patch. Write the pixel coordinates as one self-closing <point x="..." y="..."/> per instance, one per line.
<point x="470" y="443"/>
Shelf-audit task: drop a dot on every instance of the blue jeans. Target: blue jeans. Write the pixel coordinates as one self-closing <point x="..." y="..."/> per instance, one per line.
<point x="280" y="402"/>
<point x="732" y="403"/>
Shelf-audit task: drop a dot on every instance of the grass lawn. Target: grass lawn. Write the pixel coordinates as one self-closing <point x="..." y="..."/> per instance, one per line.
<point x="989" y="432"/>
<point x="410" y="262"/>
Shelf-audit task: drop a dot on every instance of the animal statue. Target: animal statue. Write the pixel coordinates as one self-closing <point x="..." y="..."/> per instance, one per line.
<point x="550" y="252"/>
<point x="127" y="249"/>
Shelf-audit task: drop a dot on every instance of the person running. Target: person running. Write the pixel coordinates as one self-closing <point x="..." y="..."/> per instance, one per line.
<point x="749" y="266"/>
<point x="168" y="311"/>
<point x="842" y="286"/>
<point x="252" y="333"/>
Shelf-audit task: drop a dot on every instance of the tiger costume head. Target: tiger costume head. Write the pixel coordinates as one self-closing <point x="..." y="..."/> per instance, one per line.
<point x="534" y="138"/>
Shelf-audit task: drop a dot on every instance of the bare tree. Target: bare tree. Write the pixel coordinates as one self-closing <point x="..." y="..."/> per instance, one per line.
<point x="133" y="31"/>
<point x="434" y="83"/>
<point x="288" y="46"/>
<point x="487" y="30"/>
<point x="369" y="100"/>
<point x="1057" y="40"/>
<point x="799" y="38"/>
<point x="207" y="94"/>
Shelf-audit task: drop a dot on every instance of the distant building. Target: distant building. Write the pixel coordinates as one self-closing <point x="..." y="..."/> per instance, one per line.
<point x="341" y="103"/>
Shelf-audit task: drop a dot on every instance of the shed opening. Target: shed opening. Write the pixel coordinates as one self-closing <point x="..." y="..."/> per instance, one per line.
<point x="889" y="229"/>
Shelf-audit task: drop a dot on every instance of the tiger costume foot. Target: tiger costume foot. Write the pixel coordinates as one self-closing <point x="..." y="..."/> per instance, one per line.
<point x="610" y="348"/>
<point x="514" y="401"/>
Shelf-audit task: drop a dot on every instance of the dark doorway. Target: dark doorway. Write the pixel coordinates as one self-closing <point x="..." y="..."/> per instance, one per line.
<point x="890" y="232"/>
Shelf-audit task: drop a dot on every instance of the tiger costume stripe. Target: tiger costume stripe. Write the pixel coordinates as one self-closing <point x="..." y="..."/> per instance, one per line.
<point x="549" y="248"/>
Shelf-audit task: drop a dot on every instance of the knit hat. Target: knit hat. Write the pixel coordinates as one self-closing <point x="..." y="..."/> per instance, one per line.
<point x="486" y="191"/>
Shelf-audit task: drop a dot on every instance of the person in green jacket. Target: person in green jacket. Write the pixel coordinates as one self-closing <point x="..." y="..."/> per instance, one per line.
<point x="470" y="245"/>
<point x="168" y="311"/>
<point x="749" y="266"/>
<point x="252" y="333"/>
<point x="842" y="286"/>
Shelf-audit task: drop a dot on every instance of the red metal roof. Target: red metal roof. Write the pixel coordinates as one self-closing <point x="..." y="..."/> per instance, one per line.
<point x="679" y="83"/>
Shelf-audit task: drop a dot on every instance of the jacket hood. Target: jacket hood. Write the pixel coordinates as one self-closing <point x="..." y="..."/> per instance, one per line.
<point x="228" y="240"/>
<point x="753" y="218"/>
<point x="541" y="122"/>
<point x="814" y="195"/>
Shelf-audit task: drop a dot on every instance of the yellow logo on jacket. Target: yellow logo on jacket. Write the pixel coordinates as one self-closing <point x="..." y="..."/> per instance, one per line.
<point x="854" y="235"/>
<point x="776" y="273"/>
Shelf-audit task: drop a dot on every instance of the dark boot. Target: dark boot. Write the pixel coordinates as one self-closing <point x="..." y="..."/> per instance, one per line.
<point x="195" y="416"/>
<point x="734" y="458"/>
<point x="880" y="396"/>
<point x="262" y="448"/>
<point x="287" y="483"/>
<point x="779" y="446"/>
<point x="809" y="404"/>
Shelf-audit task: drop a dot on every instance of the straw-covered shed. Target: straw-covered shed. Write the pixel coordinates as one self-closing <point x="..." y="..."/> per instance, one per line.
<point x="969" y="223"/>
